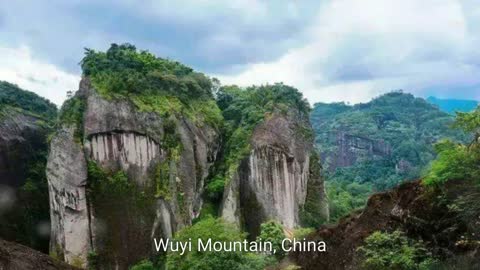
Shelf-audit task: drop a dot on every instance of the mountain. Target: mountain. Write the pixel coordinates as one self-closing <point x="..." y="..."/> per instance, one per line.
<point x="26" y="120"/>
<point x="453" y="105"/>
<point x="143" y="150"/>
<point x="376" y="145"/>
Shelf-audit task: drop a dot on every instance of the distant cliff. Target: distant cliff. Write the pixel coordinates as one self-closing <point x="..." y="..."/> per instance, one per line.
<point x="382" y="142"/>
<point x="25" y="122"/>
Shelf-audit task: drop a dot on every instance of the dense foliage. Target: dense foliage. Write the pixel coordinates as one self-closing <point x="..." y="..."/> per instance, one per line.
<point x="272" y="231"/>
<point x="217" y="230"/>
<point x="345" y="197"/>
<point x="152" y="83"/>
<point x="394" y="251"/>
<point x="13" y="96"/>
<point x="400" y="128"/>
<point x="457" y="161"/>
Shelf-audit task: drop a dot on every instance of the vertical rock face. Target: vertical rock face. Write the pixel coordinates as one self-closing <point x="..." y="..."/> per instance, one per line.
<point x="23" y="197"/>
<point x="272" y="182"/>
<point x="117" y="137"/>
<point x="351" y="149"/>
<point x="20" y="134"/>
<point x="126" y="151"/>
<point x="67" y="179"/>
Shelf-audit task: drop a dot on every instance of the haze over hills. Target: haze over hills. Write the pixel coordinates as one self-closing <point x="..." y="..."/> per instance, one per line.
<point x="453" y="105"/>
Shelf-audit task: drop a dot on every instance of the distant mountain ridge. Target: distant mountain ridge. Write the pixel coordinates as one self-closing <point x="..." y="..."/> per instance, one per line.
<point x="384" y="141"/>
<point x="453" y="105"/>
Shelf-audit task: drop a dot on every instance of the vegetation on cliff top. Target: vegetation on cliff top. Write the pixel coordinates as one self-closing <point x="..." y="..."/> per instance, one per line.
<point x="243" y="109"/>
<point x="152" y="83"/>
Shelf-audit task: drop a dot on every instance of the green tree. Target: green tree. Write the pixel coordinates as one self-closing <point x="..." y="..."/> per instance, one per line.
<point x="394" y="251"/>
<point x="271" y="231"/>
<point x="216" y="230"/>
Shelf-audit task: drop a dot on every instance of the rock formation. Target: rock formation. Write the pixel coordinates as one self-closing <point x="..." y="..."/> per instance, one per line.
<point x="272" y="182"/>
<point x="116" y="136"/>
<point x="412" y="208"/>
<point x="20" y="134"/>
<point x="352" y="149"/>
<point x="25" y="122"/>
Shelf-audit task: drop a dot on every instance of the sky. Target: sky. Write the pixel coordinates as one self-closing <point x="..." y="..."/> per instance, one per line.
<point x="333" y="50"/>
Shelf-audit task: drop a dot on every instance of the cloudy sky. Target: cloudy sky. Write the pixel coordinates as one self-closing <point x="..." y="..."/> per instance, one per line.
<point x="337" y="50"/>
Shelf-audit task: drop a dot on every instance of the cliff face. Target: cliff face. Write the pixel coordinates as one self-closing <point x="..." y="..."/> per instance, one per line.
<point x="117" y="137"/>
<point x="20" y="134"/>
<point x="351" y="149"/>
<point x="272" y="182"/>
<point x="382" y="142"/>
<point x="25" y="122"/>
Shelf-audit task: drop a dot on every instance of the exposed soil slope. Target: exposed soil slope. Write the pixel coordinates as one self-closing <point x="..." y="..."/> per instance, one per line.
<point x="420" y="212"/>
<point x="17" y="257"/>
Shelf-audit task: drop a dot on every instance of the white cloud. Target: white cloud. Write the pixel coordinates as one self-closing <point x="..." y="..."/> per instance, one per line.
<point x="359" y="49"/>
<point x="18" y="66"/>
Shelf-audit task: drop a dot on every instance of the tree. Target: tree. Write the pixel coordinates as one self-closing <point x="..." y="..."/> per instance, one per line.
<point x="216" y="230"/>
<point x="394" y="251"/>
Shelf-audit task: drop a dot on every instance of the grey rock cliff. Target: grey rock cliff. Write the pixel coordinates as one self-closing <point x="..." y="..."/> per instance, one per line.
<point x="20" y="134"/>
<point x="117" y="136"/>
<point x="272" y="182"/>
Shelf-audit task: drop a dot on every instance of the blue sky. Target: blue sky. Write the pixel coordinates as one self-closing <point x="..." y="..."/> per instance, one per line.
<point x="338" y="50"/>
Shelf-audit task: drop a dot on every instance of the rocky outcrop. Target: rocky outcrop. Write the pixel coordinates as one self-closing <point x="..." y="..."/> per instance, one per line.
<point x="67" y="181"/>
<point x="17" y="257"/>
<point x="351" y="149"/>
<point x="23" y="147"/>
<point x="272" y="182"/>
<point x="20" y="135"/>
<point x="116" y="136"/>
<point x="421" y="212"/>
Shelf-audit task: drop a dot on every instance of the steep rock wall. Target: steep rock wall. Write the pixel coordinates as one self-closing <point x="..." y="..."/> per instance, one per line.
<point x="350" y="149"/>
<point x="24" y="212"/>
<point x="67" y="178"/>
<point x="20" y="135"/>
<point x="272" y="182"/>
<point x="119" y="137"/>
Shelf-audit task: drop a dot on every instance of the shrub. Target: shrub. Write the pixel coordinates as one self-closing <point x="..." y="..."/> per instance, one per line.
<point x="394" y="251"/>
<point x="217" y="230"/>
<point x="454" y="162"/>
<point x="272" y="232"/>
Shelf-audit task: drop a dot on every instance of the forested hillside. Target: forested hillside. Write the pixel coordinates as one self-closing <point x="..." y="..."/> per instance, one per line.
<point x="376" y="145"/>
